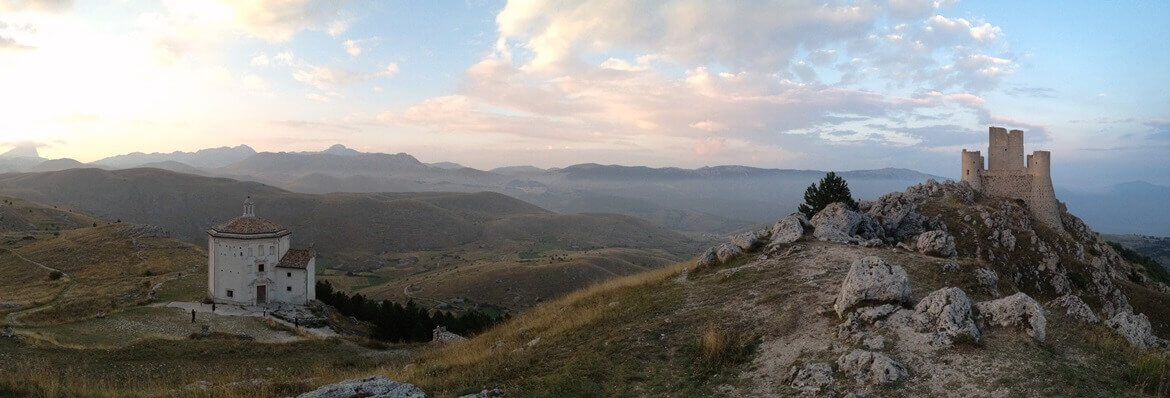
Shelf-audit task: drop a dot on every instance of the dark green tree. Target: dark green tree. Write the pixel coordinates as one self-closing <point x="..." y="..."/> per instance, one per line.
<point x="831" y="189"/>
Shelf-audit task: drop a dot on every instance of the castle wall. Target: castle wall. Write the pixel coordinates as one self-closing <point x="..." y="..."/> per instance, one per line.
<point x="1005" y="149"/>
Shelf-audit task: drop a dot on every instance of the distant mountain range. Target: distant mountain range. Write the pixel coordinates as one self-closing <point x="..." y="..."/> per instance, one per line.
<point x="699" y="202"/>
<point x="204" y="158"/>
<point x="349" y="229"/>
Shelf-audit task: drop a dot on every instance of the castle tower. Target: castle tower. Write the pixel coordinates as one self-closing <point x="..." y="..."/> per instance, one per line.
<point x="1005" y="149"/>
<point x="1043" y="197"/>
<point x="972" y="169"/>
<point x="1010" y="175"/>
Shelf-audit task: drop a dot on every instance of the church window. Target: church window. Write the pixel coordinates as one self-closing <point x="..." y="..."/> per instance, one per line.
<point x="230" y="292"/>
<point x="260" y="268"/>
<point x="289" y="274"/>
<point x="271" y="250"/>
<point x="288" y="288"/>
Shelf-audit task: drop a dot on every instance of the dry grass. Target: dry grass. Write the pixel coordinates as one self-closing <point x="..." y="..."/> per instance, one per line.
<point x="601" y="338"/>
<point x="1151" y="374"/>
<point x="177" y="368"/>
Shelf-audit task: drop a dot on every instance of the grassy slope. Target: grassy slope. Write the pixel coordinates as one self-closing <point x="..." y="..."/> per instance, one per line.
<point x="19" y="218"/>
<point x="105" y="268"/>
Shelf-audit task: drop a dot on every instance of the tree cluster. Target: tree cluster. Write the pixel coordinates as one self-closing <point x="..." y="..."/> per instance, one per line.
<point x="832" y="189"/>
<point x="403" y="323"/>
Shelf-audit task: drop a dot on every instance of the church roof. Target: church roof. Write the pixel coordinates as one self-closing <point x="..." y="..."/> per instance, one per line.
<point x="248" y="227"/>
<point x="296" y="258"/>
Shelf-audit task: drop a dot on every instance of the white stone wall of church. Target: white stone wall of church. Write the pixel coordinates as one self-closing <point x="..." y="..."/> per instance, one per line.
<point x="234" y="265"/>
<point x="295" y="286"/>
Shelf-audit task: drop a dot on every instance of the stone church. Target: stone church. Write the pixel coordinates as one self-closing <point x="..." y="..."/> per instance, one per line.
<point x="250" y="262"/>
<point x="1009" y="174"/>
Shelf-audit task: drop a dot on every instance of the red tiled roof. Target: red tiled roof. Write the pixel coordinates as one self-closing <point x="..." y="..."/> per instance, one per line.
<point x="296" y="258"/>
<point x="249" y="225"/>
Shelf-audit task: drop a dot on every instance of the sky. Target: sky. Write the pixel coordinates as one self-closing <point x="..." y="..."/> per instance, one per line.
<point x="791" y="84"/>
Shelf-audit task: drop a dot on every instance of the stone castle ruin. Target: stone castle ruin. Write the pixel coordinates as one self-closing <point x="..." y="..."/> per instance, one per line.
<point x="1010" y="175"/>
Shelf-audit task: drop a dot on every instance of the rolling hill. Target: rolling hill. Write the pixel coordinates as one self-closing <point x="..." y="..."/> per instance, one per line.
<point x="348" y="229"/>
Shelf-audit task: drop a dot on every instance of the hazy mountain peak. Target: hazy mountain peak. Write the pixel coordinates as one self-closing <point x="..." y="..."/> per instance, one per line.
<point x="341" y="150"/>
<point x="22" y="151"/>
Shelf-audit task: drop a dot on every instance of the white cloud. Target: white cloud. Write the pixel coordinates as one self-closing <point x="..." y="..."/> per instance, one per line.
<point x="391" y="69"/>
<point x="749" y="73"/>
<point x="352" y="47"/>
<point x="260" y="60"/>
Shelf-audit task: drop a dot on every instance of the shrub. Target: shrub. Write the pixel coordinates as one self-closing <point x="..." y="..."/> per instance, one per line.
<point x="832" y="189"/>
<point x="55" y="275"/>
<point x="718" y="347"/>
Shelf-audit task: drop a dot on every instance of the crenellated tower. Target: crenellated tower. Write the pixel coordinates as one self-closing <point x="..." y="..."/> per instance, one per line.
<point x="1010" y="174"/>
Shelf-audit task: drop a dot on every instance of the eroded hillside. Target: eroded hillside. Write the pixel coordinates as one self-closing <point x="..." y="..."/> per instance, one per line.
<point x="929" y="292"/>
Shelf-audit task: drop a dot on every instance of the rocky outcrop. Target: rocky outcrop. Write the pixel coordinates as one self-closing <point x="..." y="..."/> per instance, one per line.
<point x="811" y="377"/>
<point x="750" y="240"/>
<point x="1018" y="310"/>
<point x="707" y="259"/>
<point x="1135" y="329"/>
<point x="1075" y="308"/>
<point x="726" y="252"/>
<point x="987" y="279"/>
<point x="947" y="314"/>
<point x="441" y="336"/>
<point x="936" y="243"/>
<point x="872" y="367"/>
<point x="371" y="387"/>
<point x="872" y="280"/>
<point x="789" y="229"/>
<point x="836" y="222"/>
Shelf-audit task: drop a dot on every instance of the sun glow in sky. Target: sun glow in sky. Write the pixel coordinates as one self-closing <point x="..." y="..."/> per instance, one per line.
<point x="793" y="84"/>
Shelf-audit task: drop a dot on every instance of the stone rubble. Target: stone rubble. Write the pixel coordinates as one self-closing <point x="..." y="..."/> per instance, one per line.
<point x="872" y="367"/>
<point x="370" y="387"/>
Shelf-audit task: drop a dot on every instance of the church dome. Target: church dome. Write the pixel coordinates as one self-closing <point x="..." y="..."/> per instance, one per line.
<point x="248" y="226"/>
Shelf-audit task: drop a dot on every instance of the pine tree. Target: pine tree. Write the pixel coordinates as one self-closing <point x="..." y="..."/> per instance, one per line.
<point x="832" y="189"/>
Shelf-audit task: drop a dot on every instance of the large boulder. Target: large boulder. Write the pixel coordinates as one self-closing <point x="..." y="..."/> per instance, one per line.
<point x="1135" y="328"/>
<point x="1016" y="310"/>
<point x="370" y="387"/>
<point x="789" y="229"/>
<point x="936" y="243"/>
<point x="1075" y="308"/>
<point x="898" y="216"/>
<point x="872" y="280"/>
<point x="750" y="240"/>
<point x="811" y="377"/>
<point x="872" y="367"/>
<point x="836" y="222"/>
<point x="947" y="313"/>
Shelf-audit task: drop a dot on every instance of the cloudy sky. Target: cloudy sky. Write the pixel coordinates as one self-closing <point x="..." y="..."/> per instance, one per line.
<point x="792" y="84"/>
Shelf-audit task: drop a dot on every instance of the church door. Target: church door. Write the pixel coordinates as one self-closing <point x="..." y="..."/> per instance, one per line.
<point x="261" y="294"/>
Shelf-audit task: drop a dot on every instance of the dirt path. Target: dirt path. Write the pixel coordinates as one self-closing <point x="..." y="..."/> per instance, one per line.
<point x="11" y="318"/>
